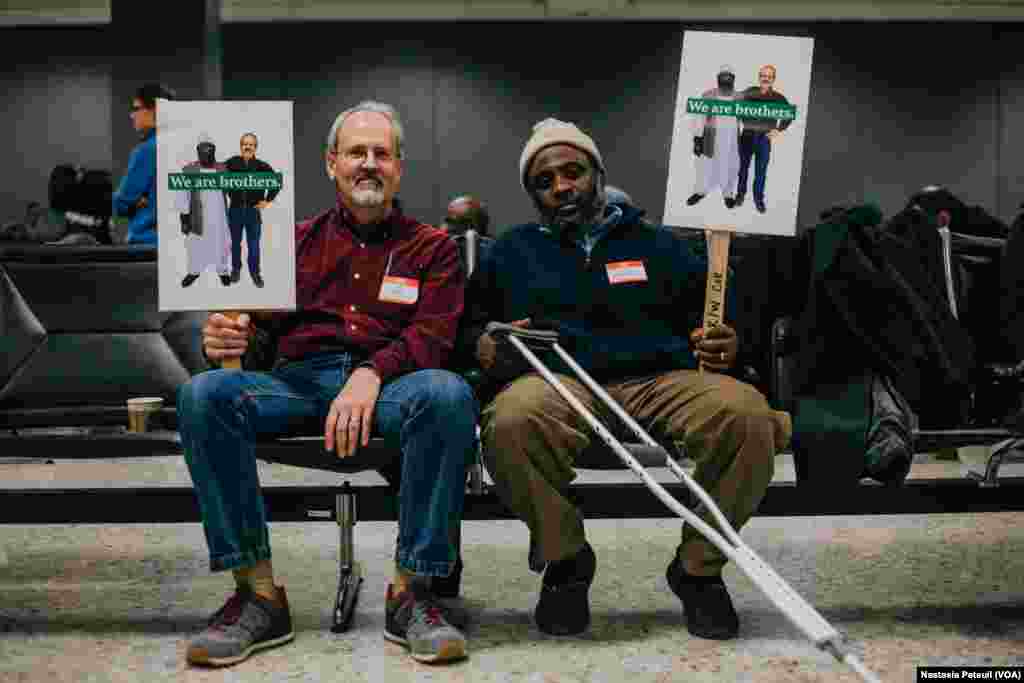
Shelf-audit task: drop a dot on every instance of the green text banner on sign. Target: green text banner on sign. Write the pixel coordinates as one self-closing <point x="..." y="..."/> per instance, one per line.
<point x="223" y="181"/>
<point x="740" y="109"/>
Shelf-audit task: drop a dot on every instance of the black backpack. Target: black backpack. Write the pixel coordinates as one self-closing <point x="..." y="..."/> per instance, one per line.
<point x="84" y="195"/>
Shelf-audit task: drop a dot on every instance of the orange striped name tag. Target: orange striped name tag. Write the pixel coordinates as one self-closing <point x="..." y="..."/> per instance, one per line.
<point x="622" y="272"/>
<point x="399" y="290"/>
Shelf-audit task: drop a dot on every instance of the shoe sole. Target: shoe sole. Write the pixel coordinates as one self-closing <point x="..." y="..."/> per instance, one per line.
<point x="200" y="656"/>
<point x="575" y="635"/>
<point x="449" y="650"/>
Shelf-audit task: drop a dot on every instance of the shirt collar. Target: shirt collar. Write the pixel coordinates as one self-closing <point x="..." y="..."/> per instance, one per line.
<point x="391" y="227"/>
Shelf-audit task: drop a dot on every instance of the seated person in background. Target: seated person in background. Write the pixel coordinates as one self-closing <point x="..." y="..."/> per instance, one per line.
<point x="379" y="296"/>
<point x="466" y="213"/>
<point x="78" y="212"/>
<point x="136" y="195"/>
<point x="624" y="298"/>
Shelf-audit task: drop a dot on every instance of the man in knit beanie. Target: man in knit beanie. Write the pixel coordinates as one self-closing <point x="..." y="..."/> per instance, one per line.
<point x="553" y="137"/>
<point x="626" y="298"/>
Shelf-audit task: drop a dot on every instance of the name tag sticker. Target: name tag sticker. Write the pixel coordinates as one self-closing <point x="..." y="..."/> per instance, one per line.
<point x="399" y="290"/>
<point x="622" y="272"/>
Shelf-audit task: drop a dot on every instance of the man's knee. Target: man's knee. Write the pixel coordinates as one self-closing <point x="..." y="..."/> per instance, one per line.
<point x="441" y="398"/>
<point x="736" y="406"/>
<point x="204" y="392"/>
<point x="516" y="408"/>
<point x="447" y="391"/>
<point x="518" y="434"/>
<point x="747" y="414"/>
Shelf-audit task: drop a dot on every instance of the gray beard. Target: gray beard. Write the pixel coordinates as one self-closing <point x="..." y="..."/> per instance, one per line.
<point x="368" y="199"/>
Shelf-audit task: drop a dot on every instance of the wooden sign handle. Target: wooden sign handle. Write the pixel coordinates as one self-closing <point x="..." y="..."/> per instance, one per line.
<point x="718" y="277"/>
<point x="231" y="363"/>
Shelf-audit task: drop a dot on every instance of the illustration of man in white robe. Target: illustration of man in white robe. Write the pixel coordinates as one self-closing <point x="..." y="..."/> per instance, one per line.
<point x="716" y="145"/>
<point x="204" y="220"/>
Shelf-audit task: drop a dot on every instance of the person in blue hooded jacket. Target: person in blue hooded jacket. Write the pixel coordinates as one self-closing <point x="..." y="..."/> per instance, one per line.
<point x="626" y="298"/>
<point x="136" y="195"/>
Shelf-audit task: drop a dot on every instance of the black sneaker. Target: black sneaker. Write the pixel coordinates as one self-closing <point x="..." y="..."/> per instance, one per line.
<point x="564" y="606"/>
<point x="416" y="620"/>
<point x="706" y="603"/>
<point x="189" y="279"/>
<point x="225" y="280"/>
<point x="257" y="280"/>
<point x="694" y="198"/>
<point x="447" y="587"/>
<point x="236" y="275"/>
<point x="730" y="203"/>
<point x="245" y="624"/>
<point x="739" y="199"/>
<point x="759" y="205"/>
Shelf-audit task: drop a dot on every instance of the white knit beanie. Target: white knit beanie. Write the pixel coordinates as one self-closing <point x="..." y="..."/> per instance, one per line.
<point x="549" y="132"/>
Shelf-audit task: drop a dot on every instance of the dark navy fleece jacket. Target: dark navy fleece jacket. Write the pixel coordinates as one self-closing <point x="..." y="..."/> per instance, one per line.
<point x="616" y="318"/>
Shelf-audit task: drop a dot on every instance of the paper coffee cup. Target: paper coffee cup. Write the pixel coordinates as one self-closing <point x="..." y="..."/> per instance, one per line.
<point x="140" y="410"/>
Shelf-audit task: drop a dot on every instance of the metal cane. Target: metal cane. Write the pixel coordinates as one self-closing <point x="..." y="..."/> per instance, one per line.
<point x="798" y="610"/>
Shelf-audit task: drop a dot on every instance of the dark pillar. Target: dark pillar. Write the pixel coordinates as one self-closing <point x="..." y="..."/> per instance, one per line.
<point x="1009" y="162"/>
<point x="178" y="44"/>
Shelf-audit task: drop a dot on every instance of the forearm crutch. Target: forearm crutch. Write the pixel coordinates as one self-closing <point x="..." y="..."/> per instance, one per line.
<point x="798" y="610"/>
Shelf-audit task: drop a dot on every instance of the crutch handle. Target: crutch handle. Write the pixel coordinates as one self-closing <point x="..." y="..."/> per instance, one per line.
<point x="497" y="329"/>
<point x="648" y="456"/>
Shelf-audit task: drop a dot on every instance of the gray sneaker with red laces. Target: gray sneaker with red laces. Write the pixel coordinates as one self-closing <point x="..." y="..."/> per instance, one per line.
<point x="245" y="624"/>
<point x="415" y="619"/>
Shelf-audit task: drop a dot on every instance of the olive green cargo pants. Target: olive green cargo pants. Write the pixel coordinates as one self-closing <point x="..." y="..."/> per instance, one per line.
<point x="533" y="440"/>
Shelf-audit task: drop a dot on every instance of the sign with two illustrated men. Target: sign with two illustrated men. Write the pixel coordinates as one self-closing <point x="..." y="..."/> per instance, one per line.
<point x="738" y="133"/>
<point x="226" y="205"/>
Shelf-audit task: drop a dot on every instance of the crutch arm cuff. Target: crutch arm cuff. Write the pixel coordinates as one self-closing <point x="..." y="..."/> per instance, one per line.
<point x="496" y="329"/>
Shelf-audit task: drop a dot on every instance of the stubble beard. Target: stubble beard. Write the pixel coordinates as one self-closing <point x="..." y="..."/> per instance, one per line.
<point x="589" y="209"/>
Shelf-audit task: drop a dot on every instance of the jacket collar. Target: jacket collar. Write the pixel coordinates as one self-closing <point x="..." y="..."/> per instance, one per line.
<point x="616" y="217"/>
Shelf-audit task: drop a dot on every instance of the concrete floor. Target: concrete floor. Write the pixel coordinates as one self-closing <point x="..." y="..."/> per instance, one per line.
<point x="117" y="603"/>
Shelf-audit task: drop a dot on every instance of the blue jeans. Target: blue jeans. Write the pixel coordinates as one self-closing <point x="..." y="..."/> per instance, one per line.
<point x="758" y="145"/>
<point x="428" y="416"/>
<point x="249" y="219"/>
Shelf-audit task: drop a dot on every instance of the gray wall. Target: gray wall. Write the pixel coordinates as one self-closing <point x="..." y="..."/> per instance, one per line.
<point x="56" y="86"/>
<point x="893" y="105"/>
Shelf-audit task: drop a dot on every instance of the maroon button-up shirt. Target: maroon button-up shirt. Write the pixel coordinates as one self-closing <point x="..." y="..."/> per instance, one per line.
<point x="393" y="292"/>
